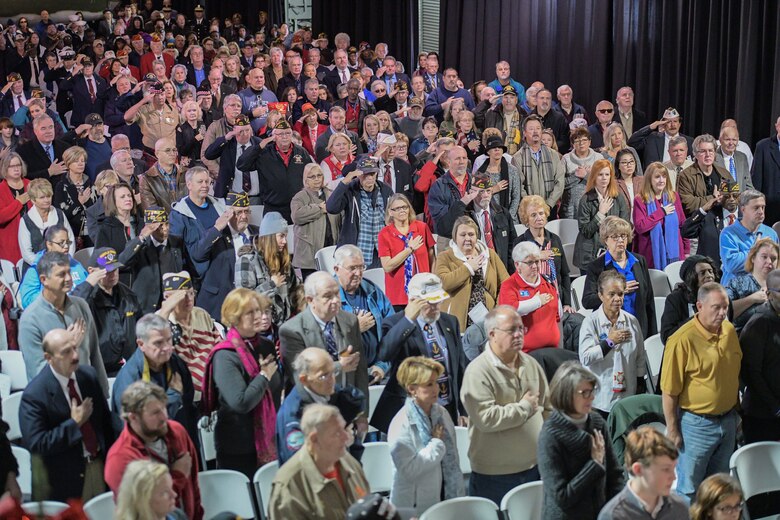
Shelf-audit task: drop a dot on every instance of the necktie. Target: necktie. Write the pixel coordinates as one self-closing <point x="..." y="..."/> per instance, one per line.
<point x="436" y="353"/>
<point x="19" y="101"/>
<point x="488" y="230"/>
<point x="732" y="168"/>
<point x="246" y="178"/>
<point x="344" y="78"/>
<point x="35" y="69"/>
<point x="730" y="218"/>
<point x="679" y="169"/>
<point x="245" y="238"/>
<point x="388" y="176"/>
<point x="87" y="431"/>
<point x="49" y="152"/>
<point x="91" y="88"/>
<point x="330" y="341"/>
<point x="433" y="81"/>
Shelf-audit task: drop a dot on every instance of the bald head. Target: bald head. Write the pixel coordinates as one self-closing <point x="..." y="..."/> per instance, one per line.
<point x="54" y="338"/>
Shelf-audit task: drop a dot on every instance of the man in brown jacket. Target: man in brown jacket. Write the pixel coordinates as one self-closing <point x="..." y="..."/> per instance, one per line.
<point x="321" y="480"/>
<point x="700" y="182"/>
<point x="163" y="183"/>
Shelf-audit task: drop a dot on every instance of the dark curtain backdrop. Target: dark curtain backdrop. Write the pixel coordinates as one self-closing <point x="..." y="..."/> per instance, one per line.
<point x="225" y="9"/>
<point x="392" y="21"/>
<point x="712" y="59"/>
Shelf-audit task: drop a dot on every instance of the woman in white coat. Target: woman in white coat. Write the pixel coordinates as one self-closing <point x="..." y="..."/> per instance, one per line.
<point x="422" y="441"/>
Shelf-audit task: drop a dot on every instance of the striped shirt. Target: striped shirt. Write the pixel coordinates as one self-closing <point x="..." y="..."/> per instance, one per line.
<point x="193" y="343"/>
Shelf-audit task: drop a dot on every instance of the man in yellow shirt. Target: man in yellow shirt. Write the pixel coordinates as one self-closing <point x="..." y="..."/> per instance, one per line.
<point x="699" y="381"/>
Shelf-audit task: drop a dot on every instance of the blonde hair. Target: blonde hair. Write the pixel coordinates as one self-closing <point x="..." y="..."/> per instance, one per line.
<point x="760" y="243"/>
<point x="531" y="201"/>
<point x="612" y="225"/>
<point x="184" y="107"/>
<point x="648" y="193"/>
<point x="40" y="188"/>
<point x="277" y="261"/>
<point x="135" y="492"/>
<point x="611" y="129"/>
<point x="105" y="178"/>
<point x="417" y="370"/>
<point x="73" y="154"/>
<point x="238" y="301"/>
<point x="371" y="117"/>
<point x="393" y="198"/>
<point x="335" y="137"/>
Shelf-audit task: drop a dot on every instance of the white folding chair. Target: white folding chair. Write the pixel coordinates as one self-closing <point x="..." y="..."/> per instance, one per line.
<point x="524" y="502"/>
<point x="263" y="478"/>
<point x="47" y="508"/>
<point x="520" y="229"/>
<point x="462" y="440"/>
<point x="673" y="273"/>
<point x="221" y="329"/>
<point x="24" y="460"/>
<point x="374" y="393"/>
<point x="654" y="354"/>
<point x="225" y="490"/>
<point x="757" y="467"/>
<point x="82" y="256"/>
<point x="291" y="239"/>
<point x="256" y="215"/>
<point x="578" y="288"/>
<point x="660" y="283"/>
<point x="463" y="507"/>
<point x="19" y="269"/>
<point x="660" y="303"/>
<point x="111" y="381"/>
<point x="324" y="259"/>
<point x="8" y="272"/>
<point x="568" y="251"/>
<point x="11" y="415"/>
<point x="377" y="462"/>
<point x="377" y="276"/>
<point x="566" y="228"/>
<point x="13" y="366"/>
<point x="208" y="449"/>
<point x="101" y="507"/>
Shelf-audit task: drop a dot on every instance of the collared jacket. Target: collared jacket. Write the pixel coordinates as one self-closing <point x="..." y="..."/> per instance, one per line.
<point x="693" y="189"/>
<point x="300" y="491"/>
<point x="445" y="205"/>
<point x="380" y="308"/>
<point x="252" y="272"/>
<point x="346" y="198"/>
<point x="115" y="318"/>
<point x="309" y="221"/>
<point x="155" y="191"/>
<point x="129" y="447"/>
<point x="147" y="264"/>
<point x="588" y="245"/>
<point x="31" y="286"/>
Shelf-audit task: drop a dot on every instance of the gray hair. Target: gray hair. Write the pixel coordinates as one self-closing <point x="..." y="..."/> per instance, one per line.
<point x="276" y="50"/>
<point x="678" y="139"/>
<point x="50" y="260"/>
<point x="158" y="62"/>
<point x="178" y="66"/>
<point x="367" y="69"/>
<point x="503" y="62"/>
<point x="525" y="249"/>
<point x="343" y="37"/>
<point x="192" y="172"/>
<point x="565" y="382"/>
<point x="316" y="415"/>
<point x="562" y="87"/>
<point x="303" y="361"/>
<point x="746" y="196"/>
<point x="493" y="317"/>
<point x="347" y="251"/>
<point x="703" y="139"/>
<point x="115" y="158"/>
<point x="231" y="97"/>
<point x="148" y="323"/>
<point x="335" y="109"/>
<point x="311" y="81"/>
<point x="38" y="121"/>
<point x="709" y="288"/>
<point x="314" y="281"/>
<point x="119" y="137"/>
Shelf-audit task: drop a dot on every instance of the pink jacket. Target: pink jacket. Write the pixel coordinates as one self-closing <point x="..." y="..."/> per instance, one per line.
<point x="643" y="223"/>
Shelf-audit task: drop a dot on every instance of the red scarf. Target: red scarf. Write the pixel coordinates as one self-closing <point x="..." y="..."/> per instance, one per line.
<point x="285" y="155"/>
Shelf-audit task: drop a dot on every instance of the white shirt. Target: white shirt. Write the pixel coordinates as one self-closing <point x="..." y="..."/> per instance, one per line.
<point x="238" y="178"/>
<point x="666" y="148"/>
<point x="25" y="244"/>
<point x="726" y="214"/>
<point x="238" y="239"/>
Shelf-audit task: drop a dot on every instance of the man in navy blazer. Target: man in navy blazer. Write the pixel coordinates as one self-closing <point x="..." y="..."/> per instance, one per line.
<point x="227" y="148"/>
<point x="65" y="420"/>
<point x="89" y="92"/>
<point x="404" y="335"/>
<point x="652" y="141"/>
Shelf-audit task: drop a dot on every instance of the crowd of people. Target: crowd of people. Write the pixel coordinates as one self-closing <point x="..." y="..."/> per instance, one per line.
<point x="135" y="152"/>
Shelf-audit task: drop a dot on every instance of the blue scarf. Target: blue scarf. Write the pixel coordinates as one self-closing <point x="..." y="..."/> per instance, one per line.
<point x="410" y="264"/>
<point x="450" y="465"/>
<point x="665" y="236"/>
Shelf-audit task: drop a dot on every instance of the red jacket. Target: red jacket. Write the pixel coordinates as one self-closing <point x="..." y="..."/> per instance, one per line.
<point x="541" y="325"/>
<point x="306" y="139"/>
<point x="9" y="222"/>
<point x="148" y="58"/>
<point x="129" y="447"/>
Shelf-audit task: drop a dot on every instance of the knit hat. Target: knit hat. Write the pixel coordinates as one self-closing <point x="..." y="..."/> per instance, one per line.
<point x="273" y="223"/>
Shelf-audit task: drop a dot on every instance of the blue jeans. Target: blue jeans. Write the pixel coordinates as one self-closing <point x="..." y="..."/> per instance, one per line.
<point x="708" y="443"/>
<point x="494" y="487"/>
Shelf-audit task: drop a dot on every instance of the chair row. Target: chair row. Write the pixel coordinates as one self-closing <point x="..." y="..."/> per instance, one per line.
<point x="521" y="503"/>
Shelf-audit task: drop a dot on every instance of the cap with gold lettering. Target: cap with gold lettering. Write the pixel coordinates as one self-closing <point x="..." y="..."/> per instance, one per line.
<point x="237" y="200"/>
<point x="155" y="214"/>
<point x="180" y="281"/>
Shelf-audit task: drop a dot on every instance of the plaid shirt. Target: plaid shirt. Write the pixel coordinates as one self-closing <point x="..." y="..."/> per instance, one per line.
<point x="371" y="223"/>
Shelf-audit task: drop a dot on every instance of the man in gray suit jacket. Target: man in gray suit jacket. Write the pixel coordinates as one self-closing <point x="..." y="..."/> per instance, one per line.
<point x="732" y="160"/>
<point x="323" y="324"/>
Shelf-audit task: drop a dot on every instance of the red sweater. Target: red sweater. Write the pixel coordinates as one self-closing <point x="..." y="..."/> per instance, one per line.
<point x="9" y="222"/>
<point x="541" y="325"/>
<point x="129" y="447"/>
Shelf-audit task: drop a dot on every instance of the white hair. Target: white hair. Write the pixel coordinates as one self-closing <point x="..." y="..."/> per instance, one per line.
<point x="347" y="251"/>
<point x="525" y="249"/>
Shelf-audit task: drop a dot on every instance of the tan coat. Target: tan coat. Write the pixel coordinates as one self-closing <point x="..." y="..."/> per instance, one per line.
<point x="692" y="188"/>
<point x="300" y="491"/>
<point x="456" y="279"/>
<point x="309" y="221"/>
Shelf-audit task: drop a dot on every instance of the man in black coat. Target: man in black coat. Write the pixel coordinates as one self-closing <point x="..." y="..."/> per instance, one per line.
<point x="626" y="114"/>
<point x="496" y="228"/>
<point x="395" y="173"/>
<point x="229" y="148"/>
<point x="43" y="155"/>
<point x="65" y="420"/>
<point x="652" y="141"/>
<point x="89" y="92"/>
<point x="340" y="73"/>
<point x="707" y="223"/>
<point x="15" y="97"/>
<point x="355" y="107"/>
<point x="149" y="258"/>
<point x="422" y="330"/>
<point x="552" y="120"/>
<point x="294" y="78"/>
<point x="766" y="172"/>
<point x="338" y="121"/>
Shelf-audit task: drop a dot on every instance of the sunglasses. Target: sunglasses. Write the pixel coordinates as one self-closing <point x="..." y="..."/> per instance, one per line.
<point x="605" y="110"/>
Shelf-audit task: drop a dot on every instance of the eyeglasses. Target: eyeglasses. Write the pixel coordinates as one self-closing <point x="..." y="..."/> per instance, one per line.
<point x="511" y="332"/>
<point x="63" y="244"/>
<point x="400" y="208"/>
<point x="627" y="163"/>
<point x="354" y="268"/>
<point x="605" y="110"/>
<point x="587" y="394"/>
<point x="531" y="262"/>
<point x="623" y="237"/>
<point x="730" y="510"/>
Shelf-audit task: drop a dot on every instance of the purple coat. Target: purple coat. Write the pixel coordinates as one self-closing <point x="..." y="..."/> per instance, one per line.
<point x="644" y="223"/>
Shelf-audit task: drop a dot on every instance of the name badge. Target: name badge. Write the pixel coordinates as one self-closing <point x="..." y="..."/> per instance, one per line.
<point x="406" y="188"/>
<point x="524" y="293"/>
<point x="503" y="233"/>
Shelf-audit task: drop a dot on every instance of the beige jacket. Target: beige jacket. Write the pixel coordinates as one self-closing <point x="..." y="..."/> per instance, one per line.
<point x="309" y="221"/>
<point x="300" y="491"/>
<point x="502" y="428"/>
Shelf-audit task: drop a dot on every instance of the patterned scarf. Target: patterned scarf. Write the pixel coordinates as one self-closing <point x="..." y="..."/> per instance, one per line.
<point x="371" y="223"/>
<point x="450" y="466"/>
<point x="410" y="264"/>
<point x="528" y="166"/>
<point x="664" y="236"/>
